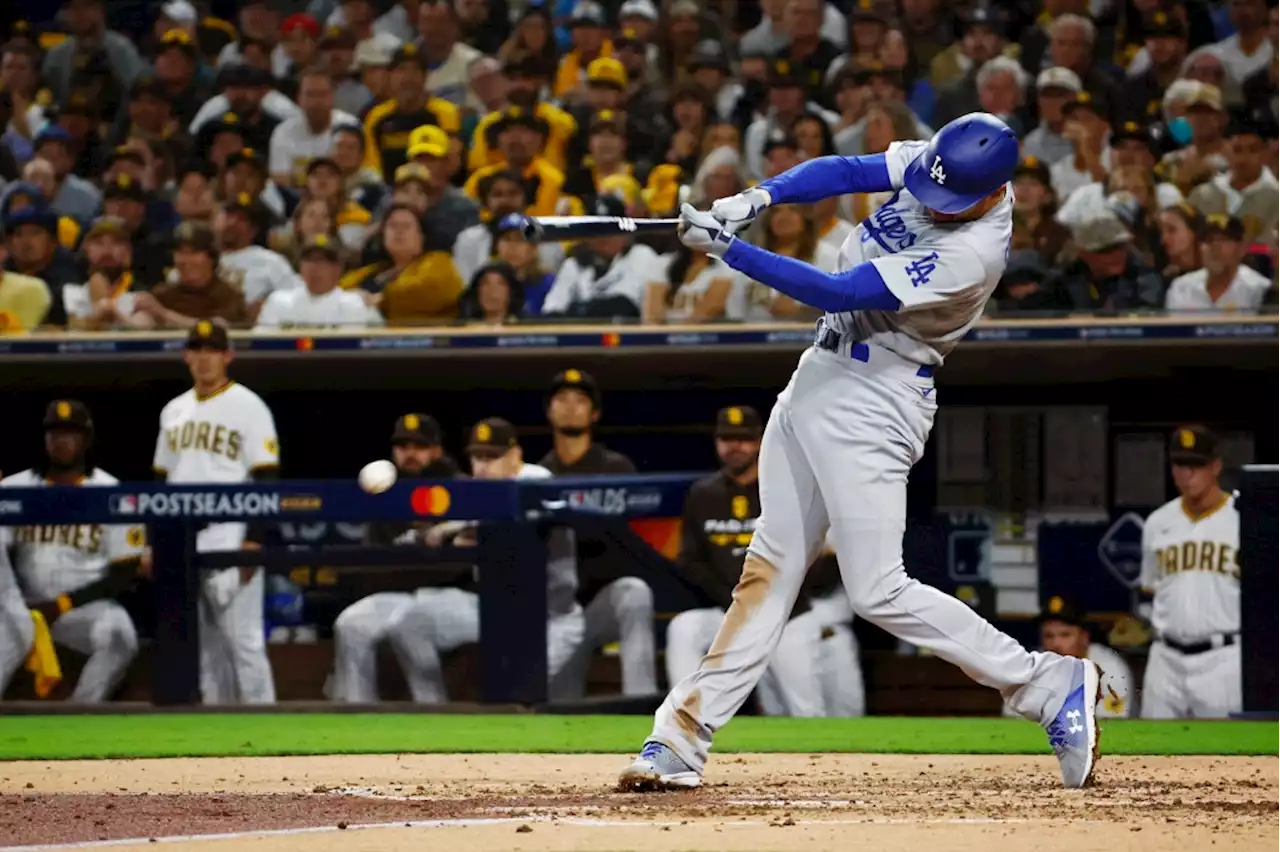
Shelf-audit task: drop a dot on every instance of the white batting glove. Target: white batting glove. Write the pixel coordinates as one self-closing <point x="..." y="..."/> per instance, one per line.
<point x="702" y="231"/>
<point x="737" y="211"/>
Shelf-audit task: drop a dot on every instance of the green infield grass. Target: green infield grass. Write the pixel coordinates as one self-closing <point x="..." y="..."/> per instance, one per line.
<point x="248" y="735"/>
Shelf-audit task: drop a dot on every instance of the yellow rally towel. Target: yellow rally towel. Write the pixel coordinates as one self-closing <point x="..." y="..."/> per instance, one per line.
<point x="43" y="659"/>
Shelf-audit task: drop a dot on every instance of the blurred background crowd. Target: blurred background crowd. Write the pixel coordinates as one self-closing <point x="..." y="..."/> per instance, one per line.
<point x="326" y="163"/>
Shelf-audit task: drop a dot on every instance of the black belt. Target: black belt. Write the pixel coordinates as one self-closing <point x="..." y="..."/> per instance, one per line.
<point x="829" y="339"/>
<point x="1223" y="641"/>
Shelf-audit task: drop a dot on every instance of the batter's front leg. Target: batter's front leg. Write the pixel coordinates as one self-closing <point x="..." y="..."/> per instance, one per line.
<point x="787" y="538"/>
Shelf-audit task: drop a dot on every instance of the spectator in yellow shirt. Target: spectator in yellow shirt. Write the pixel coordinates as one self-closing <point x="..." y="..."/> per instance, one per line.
<point x="410" y="286"/>
<point x="525" y="80"/>
<point x="518" y="136"/>
<point x="590" y="36"/>
<point x="388" y="125"/>
<point x="23" y="301"/>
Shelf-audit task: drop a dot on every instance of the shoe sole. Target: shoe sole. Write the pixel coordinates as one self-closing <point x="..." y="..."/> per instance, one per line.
<point x="635" y="780"/>
<point x="1091" y="671"/>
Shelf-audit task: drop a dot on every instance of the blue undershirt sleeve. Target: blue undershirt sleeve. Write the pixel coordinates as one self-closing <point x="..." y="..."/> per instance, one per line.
<point x="825" y="177"/>
<point x="860" y="288"/>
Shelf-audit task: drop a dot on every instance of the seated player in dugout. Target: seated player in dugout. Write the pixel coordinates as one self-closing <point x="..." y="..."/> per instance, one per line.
<point x="1191" y="566"/>
<point x="814" y="670"/>
<point x="518" y="136"/>
<point x="59" y="582"/>
<point x="440" y="620"/>
<point x="617" y="607"/>
<point x="417" y="452"/>
<point x="388" y="125"/>
<point x="1063" y="629"/>
<point x="526" y="81"/>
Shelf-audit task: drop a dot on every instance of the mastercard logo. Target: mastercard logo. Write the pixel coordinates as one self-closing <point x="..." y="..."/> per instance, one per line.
<point x="430" y="501"/>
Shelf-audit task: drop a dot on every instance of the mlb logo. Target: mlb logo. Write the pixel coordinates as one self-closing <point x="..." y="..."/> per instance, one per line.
<point x="124" y="504"/>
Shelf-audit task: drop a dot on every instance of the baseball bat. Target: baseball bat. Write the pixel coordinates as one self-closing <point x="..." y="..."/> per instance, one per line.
<point x="563" y="228"/>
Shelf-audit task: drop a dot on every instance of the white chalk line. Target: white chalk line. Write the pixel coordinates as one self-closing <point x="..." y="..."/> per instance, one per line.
<point x="485" y="821"/>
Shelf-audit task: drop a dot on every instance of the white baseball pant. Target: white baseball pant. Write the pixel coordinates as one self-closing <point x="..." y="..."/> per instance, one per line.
<point x="620" y="612"/>
<point x="440" y="620"/>
<point x="839" y="665"/>
<point x="234" y="667"/>
<point x="356" y="633"/>
<point x="789" y="685"/>
<point x="17" y="631"/>
<point x="837" y="450"/>
<point x="1192" y="686"/>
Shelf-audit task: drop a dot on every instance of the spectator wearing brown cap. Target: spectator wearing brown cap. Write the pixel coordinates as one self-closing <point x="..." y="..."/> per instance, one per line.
<point x="194" y="291"/>
<point x="387" y="126"/>
<point x="954" y="71"/>
<point x="1164" y="36"/>
<point x="518" y="136"/>
<point x="243" y="262"/>
<point x="1063" y="629"/>
<point x="524" y="81"/>
<point x="178" y="75"/>
<point x="87" y="22"/>
<point x="320" y="302"/>
<point x="105" y="298"/>
<point x="244" y="172"/>
<point x="719" y="517"/>
<point x="1205" y="155"/>
<point x="1248" y="189"/>
<point x="1108" y="274"/>
<point x="247" y="92"/>
<point x="1224" y="284"/>
<point x="1130" y="158"/>
<point x="1085" y="127"/>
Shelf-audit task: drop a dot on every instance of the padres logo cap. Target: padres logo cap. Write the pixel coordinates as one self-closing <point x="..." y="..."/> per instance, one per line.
<point x="492" y="438"/>
<point x="577" y="380"/>
<point x="739" y="421"/>
<point x="417" y="429"/>
<point x="1060" y="608"/>
<point x="68" y="414"/>
<point x="1193" y="445"/>
<point x="208" y="335"/>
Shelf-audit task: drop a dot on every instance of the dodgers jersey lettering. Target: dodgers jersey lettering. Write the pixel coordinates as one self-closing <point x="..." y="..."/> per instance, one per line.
<point x="53" y="559"/>
<point x="1192" y="566"/>
<point x="942" y="273"/>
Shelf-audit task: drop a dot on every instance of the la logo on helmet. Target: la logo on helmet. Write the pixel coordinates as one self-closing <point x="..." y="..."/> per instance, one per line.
<point x="936" y="172"/>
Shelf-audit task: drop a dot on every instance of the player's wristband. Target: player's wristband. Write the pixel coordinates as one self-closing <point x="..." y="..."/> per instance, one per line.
<point x="64" y="604"/>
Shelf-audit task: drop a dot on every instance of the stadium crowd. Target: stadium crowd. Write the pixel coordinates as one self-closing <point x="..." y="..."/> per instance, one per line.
<point x="362" y="162"/>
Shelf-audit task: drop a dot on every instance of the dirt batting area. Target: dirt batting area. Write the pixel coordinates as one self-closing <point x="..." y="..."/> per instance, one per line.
<point x="552" y="802"/>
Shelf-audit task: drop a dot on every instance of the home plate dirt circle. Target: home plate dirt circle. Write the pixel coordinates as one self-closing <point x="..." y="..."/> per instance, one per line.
<point x="551" y="802"/>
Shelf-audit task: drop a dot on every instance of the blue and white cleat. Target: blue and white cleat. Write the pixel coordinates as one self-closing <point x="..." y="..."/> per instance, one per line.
<point x="1074" y="731"/>
<point x="657" y="768"/>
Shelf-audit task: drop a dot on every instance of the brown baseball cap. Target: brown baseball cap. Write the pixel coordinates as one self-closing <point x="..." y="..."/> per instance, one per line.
<point x="491" y="438"/>
<point x="739" y="421"/>
<point x="68" y="414"/>
<point x="207" y="334"/>
<point x="417" y="429"/>
<point x="1059" y="608"/>
<point x="1193" y="445"/>
<point x="577" y="380"/>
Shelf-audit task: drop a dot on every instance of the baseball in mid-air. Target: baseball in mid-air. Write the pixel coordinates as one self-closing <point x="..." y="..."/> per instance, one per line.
<point x="377" y="476"/>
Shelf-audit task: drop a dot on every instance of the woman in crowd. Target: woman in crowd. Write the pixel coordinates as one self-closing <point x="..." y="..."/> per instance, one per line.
<point x="694" y="288"/>
<point x="533" y="38"/>
<point x="410" y="286"/>
<point x="720" y="175"/>
<point x="1179" y="249"/>
<point x="494" y="296"/>
<point x="814" y="138"/>
<point x="1034" y="203"/>
<point x="689" y="115"/>
<point x="313" y="217"/>
<point x="788" y="230"/>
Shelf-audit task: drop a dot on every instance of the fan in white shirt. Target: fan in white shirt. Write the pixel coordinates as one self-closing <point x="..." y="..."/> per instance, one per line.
<point x="785" y="229"/>
<point x="321" y="302"/>
<point x="297" y="141"/>
<point x="1250" y="18"/>
<point x="1224" y="284"/>
<point x="685" y="286"/>
<point x="257" y="271"/>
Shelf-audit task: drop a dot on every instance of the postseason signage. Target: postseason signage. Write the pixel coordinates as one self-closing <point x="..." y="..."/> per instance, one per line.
<point x="197" y="504"/>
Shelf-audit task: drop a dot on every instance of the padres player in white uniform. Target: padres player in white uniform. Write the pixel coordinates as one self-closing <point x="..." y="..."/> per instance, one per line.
<point x="222" y="432"/>
<point x="854" y="419"/>
<point x="442" y="619"/>
<point x="70" y="573"/>
<point x="1191" y="563"/>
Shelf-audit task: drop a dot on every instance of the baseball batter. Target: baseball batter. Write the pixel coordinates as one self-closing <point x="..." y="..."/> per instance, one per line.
<point x="1191" y="563"/>
<point x="442" y="619"/>
<point x="854" y="419"/>
<point x="70" y="573"/>
<point x="222" y="432"/>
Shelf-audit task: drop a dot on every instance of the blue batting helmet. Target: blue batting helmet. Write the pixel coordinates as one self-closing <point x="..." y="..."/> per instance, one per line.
<point x="966" y="160"/>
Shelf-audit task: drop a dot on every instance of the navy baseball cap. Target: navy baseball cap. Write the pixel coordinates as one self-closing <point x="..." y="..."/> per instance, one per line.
<point x="966" y="161"/>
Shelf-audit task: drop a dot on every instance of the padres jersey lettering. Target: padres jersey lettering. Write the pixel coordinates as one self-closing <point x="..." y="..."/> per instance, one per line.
<point x="206" y="437"/>
<point x="53" y="559"/>
<point x="1192" y="566"/>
